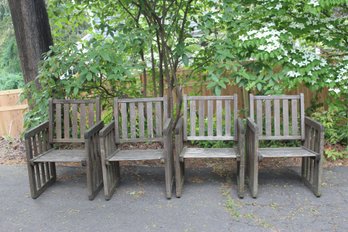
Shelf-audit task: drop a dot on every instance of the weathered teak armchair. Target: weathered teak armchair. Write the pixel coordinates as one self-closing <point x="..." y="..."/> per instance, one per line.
<point x="283" y="118"/>
<point x="199" y="112"/>
<point x="136" y="120"/>
<point x="67" y="127"/>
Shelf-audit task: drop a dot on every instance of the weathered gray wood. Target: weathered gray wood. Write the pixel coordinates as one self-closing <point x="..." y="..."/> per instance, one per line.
<point x="268" y="117"/>
<point x="259" y="118"/>
<point x="73" y="101"/>
<point x="116" y="117"/>
<point x="227" y="117"/>
<point x="285" y="152"/>
<point x="82" y="119"/>
<point x="302" y="115"/>
<point x="286" y="117"/>
<point x="132" y="115"/>
<point x="235" y="114"/>
<point x="294" y="119"/>
<point x="127" y="155"/>
<point x="51" y="113"/>
<point x="149" y="119"/>
<point x="159" y="119"/>
<point x="91" y="114"/>
<point x="66" y="121"/>
<point x="58" y="121"/>
<point x="276" y="118"/>
<point x="141" y="120"/>
<point x="277" y="97"/>
<point x="251" y="107"/>
<point x="210" y="138"/>
<point x="185" y="116"/>
<point x="149" y="99"/>
<point x="193" y="118"/>
<point x="218" y="117"/>
<point x="189" y="153"/>
<point x="279" y="137"/>
<point x="124" y="120"/>
<point x="74" y="121"/>
<point x="201" y="118"/>
<point x="62" y="156"/>
<point x="195" y="98"/>
<point x="210" y="118"/>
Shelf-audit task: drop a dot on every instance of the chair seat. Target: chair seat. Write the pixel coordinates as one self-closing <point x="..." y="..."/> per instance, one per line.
<point x="285" y="152"/>
<point x="55" y="155"/>
<point x="149" y="154"/>
<point x="208" y="153"/>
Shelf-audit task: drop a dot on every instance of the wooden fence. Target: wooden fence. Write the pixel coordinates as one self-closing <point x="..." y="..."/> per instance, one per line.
<point x="11" y="113"/>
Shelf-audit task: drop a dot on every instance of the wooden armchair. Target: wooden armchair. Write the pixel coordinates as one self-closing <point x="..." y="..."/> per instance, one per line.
<point x="147" y="118"/>
<point x="228" y="127"/>
<point x="71" y="123"/>
<point x="283" y="118"/>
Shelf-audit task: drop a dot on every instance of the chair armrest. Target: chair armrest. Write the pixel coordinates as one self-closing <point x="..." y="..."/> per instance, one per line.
<point x="37" y="141"/>
<point x="107" y="140"/>
<point x="94" y="130"/>
<point x="314" y="137"/>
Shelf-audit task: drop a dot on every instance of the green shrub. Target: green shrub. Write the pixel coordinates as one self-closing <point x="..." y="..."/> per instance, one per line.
<point x="10" y="80"/>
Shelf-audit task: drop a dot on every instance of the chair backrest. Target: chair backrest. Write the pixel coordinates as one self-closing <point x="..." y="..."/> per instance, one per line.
<point x="144" y="117"/>
<point x="278" y="117"/>
<point x="69" y="119"/>
<point x="203" y="110"/>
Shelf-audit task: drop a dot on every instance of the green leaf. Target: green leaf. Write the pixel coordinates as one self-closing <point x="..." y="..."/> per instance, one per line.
<point x="259" y="87"/>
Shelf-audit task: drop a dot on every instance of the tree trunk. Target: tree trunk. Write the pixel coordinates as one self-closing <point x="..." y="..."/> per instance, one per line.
<point x="33" y="34"/>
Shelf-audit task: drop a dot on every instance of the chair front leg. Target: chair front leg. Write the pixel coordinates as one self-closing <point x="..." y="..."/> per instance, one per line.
<point x="179" y="165"/>
<point x="252" y="156"/>
<point x="241" y="159"/>
<point x="169" y="163"/>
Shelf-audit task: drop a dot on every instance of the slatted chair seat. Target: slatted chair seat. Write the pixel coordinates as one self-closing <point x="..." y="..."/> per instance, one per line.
<point x="136" y="120"/>
<point x="283" y="118"/>
<point x="71" y="122"/>
<point x="129" y="155"/>
<point x="192" y="153"/>
<point x="209" y="118"/>
<point x="285" y="152"/>
<point x="55" y="155"/>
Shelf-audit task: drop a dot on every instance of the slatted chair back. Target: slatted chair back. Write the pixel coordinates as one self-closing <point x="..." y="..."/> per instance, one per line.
<point x="69" y="119"/>
<point x="201" y="112"/>
<point x="278" y="117"/>
<point x="140" y="119"/>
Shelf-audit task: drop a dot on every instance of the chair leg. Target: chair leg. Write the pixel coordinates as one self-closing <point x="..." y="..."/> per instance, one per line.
<point x="179" y="177"/>
<point x="253" y="175"/>
<point x="111" y="177"/>
<point x="240" y="178"/>
<point x="41" y="176"/>
<point x="311" y="172"/>
<point x="169" y="176"/>
<point x="94" y="179"/>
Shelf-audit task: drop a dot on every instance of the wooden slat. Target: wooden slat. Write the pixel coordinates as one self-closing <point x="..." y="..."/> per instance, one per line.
<point x="218" y="117"/>
<point x="251" y="107"/>
<point x="227" y="117"/>
<point x="148" y="99"/>
<point x="158" y="118"/>
<point x="58" y="121"/>
<point x="201" y="118"/>
<point x="212" y="138"/>
<point x="149" y="154"/>
<point x="279" y="97"/>
<point x="141" y="120"/>
<point x="51" y="112"/>
<point x="276" y="117"/>
<point x="294" y="117"/>
<point x="286" y="117"/>
<point x="98" y="110"/>
<point x="66" y="121"/>
<point x="208" y="153"/>
<point x="74" y="120"/>
<point x="285" y="152"/>
<point x="62" y="156"/>
<point x="132" y="116"/>
<point x="193" y="118"/>
<point x="73" y="101"/>
<point x="91" y="115"/>
<point x="268" y="117"/>
<point x="124" y="128"/>
<point x="280" y="137"/>
<point x="82" y="119"/>
<point x="302" y="106"/>
<point x="185" y="116"/>
<point x="259" y="115"/>
<point x="116" y="113"/>
<point x="235" y="114"/>
<point x="210" y="118"/>
<point x="149" y="119"/>
<point x="165" y="109"/>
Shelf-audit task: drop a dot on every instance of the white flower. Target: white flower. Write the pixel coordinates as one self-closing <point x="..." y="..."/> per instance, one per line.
<point x="336" y="90"/>
<point x="293" y="74"/>
<point x="314" y="3"/>
<point x="243" y="38"/>
<point x="278" y="6"/>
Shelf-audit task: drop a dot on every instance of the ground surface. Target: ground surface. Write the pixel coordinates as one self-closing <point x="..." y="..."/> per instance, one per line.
<point x="209" y="201"/>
